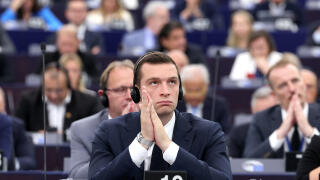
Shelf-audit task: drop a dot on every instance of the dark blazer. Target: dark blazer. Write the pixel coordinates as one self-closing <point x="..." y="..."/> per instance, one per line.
<point x="263" y="125"/>
<point x="202" y="151"/>
<point x="237" y="140"/>
<point x="23" y="146"/>
<point x="262" y="9"/>
<point x="5" y="135"/>
<point x="310" y="160"/>
<point x="89" y="62"/>
<point x="221" y="112"/>
<point x="30" y="109"/>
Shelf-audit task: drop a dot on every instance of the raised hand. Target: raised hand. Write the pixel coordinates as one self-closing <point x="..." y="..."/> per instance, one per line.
<point x="145" y="116"/>
<point x="16" y="4"/>
<point x="160" y="135"/>
<point x="131" y="107"/>
<point x="301" y="119"/>
<point x="288" y="122"/>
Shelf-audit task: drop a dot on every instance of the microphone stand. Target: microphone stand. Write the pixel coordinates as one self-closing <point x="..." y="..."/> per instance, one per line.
<point x="215" y="83"/>
<point x="43" y="51"/>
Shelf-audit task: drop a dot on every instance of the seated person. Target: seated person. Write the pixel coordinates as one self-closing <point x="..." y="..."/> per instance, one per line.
<point x="310" y="79"/>
<point x="309" y="165"/>
<point x="158" y="137"/>
<point x="195" y="81"/>
<point x="172" y="36"/>
<point x="313" y="38"/>
<point x="23" y="151"/>
<point x="256" y="61"/>
<point x="261" y="99"/>
<point x="73" y="64"/>
<point x="239" y="32"/>
<point x="6" y="45"/>
<point x="180" y="58"/>
<point x="5" y="136"/>
<point x="90" y="42"/>
<point x="115" y="81"/>
<point x="28" y="13"/>
<point x="288" y="126"/>
<point x="278" y="15"/>
<point x="110" y="16"/>
<point x="67" y="42"/>
<point x="198" y="14"/>
<point x="155" y="14"/>
<point x="63" y="105"/>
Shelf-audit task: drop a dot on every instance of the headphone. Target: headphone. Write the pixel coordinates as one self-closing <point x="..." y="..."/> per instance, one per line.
<point x="135" y="93"/>
<point x="104" y="98"/>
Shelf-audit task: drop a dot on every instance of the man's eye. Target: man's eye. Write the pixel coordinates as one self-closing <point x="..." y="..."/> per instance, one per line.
<point x="173" y="82"/>
<point x="154" y="83"/>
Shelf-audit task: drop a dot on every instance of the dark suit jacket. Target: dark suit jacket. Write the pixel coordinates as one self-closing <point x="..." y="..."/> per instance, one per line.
<point x="30" y="109"/>
<point x="263" y="9"/>
<point x="263" y="125"/>
<point x="237" y="140"/>
<point x="221" y="112"/>
<point x="23" y="146"/>
<point x="5" y="135"/>
<point x="89" y="62"/>
<point x="202" y="151"/>
<point x="310" y="160"/>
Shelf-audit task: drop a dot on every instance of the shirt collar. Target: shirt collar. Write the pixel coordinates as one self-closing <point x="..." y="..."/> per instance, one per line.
<point x="170" y="126"/>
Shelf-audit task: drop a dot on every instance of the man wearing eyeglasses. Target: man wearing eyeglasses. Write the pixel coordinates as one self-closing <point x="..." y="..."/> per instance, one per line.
<point x="115" y="83"/>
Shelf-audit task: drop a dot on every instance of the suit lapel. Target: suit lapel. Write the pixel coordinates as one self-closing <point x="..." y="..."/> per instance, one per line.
<point x="276" y="119"/>
<point x="313" y="116"/>
<point x="131" y="129"/>
<point x="182" y="133"/>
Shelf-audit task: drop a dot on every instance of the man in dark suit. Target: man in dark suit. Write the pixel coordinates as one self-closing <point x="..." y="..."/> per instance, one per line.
<point x="67" y="41"/>
<point x="115" y="84"/>
<point x="63" y="105"/>
<point x="309" y="166"/>
<point x="158" y="138"/>
<point x="156" y="14"/>
<point x="260" y="100"/>
<point x="288" y="126"/>
<point x="195" y="81"/>
<point x="172" y="36"/>
<point x="22" y="150"/>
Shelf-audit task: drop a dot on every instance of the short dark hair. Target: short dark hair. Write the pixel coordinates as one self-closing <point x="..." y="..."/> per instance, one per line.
<point x="154" y="57"/>
<point x="264" y="34"/>
<point x="167" y="29"/>
<point x="56" y="67"/>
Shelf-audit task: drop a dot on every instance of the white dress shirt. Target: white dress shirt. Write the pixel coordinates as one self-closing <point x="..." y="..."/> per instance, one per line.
<point x="276" y="143"/>
<point x="56" y="112"/>
<point x="197" y="111"/>
<point x="245" y="64"/>
<point x="139" y="154"/>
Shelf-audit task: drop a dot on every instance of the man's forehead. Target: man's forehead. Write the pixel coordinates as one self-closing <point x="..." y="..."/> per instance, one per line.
<point x="163" y="70"/>
<point x="284" y="72"/>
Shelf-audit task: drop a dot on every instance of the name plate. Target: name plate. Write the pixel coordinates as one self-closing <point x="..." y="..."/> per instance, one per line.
<point x="165" y="175"/>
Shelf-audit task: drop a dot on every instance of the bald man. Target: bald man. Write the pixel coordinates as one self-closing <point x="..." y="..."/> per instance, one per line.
<point x="179" y="57"/>
<point x="311" y="81"/>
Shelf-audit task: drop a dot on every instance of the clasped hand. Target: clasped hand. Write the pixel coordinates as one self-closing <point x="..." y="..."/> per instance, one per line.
<point x="151" y="126"/>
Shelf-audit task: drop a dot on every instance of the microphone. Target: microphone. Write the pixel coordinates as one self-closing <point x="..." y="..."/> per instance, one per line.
<point x="215" y="84"/>
<point x="43" y="52"/>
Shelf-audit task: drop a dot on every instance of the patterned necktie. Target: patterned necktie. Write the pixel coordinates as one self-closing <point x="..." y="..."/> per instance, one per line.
<point x="295" y="139"/>
<point x="157" y="161"/>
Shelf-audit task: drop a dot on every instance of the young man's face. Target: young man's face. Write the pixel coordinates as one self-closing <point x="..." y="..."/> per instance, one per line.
<point x="175" y="40"/>
<point x="56" y="88"/>
<point x="76" y="12"/>
<point x="162" y="83"/>
<point x="285" y="82"/>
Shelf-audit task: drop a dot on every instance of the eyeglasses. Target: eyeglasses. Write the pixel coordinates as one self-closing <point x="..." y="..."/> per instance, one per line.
<point x="121" y="90"/>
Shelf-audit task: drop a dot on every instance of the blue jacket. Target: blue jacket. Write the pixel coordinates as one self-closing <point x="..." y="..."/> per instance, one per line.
<point x="202" y="150"/>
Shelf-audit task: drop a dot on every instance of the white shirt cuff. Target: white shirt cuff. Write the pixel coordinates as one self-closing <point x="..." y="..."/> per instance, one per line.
<point x="315" y="132"/>
<point x="171" y="153"/>
<point x="275" y="143"/>
<point x="137" y="153"/>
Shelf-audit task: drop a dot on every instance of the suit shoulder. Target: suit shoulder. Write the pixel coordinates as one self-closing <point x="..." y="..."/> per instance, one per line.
<point x="124" y="121"/>
<point x="84" y="122"/>
<point x="199" y="123"/>
<point x="263" y="115"/>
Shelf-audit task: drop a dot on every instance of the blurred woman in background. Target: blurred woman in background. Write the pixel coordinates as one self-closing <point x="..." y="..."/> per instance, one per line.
<point x="29" y="14"/>
<point x="110" y="16"/>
